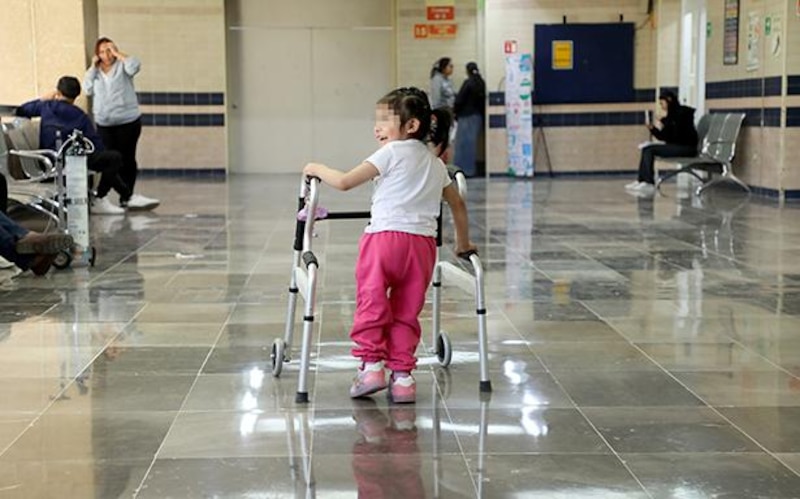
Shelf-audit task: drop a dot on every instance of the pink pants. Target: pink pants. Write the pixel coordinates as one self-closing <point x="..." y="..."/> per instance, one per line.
<point x="392" y="275"/>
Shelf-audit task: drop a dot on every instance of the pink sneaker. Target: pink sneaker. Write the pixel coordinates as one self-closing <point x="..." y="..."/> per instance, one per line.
<point x="403" y="389"/>
<point x="370" y="379"/>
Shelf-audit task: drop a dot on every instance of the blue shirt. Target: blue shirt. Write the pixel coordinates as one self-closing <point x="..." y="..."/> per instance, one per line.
<point x="59" y="115"/>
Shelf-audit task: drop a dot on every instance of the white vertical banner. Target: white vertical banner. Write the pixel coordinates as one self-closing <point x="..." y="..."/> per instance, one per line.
<point x="519" y="119"/>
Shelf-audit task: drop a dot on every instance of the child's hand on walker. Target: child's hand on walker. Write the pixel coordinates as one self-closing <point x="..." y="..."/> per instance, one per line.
<point x="313" y="169"/>
<point x="463" y="250"/>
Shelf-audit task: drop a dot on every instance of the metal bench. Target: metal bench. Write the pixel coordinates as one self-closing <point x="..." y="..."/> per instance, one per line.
<point x="718" y="132"/>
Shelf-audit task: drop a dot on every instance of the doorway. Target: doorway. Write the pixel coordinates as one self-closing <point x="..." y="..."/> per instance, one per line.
<point x="692" y="89"/>
<point x="301" y="88"/>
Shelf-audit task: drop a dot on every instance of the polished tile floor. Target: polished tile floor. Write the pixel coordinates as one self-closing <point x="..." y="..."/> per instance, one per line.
<point x="639" y="348"/>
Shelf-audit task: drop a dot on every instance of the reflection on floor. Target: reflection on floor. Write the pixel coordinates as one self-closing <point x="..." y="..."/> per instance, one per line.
<point x="639" y="348"/>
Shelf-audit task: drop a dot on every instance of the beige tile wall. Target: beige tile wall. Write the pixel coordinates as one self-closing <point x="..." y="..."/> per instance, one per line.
<point x="415" y="57"/>
<point x="769" y="64"/>
<point x="791" y="168"/>
<point x="42" y="41"/>
<point x="181" y="43"/>
<point x="792" y="32"/>
<point x="195" y="148"/>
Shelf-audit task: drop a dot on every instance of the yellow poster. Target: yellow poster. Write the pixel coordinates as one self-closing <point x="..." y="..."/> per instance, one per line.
<point x="562" y="54"/>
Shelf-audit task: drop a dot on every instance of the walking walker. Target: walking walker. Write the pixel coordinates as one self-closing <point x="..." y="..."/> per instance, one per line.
<point x="72" y="198"/>
<point x="303" y="281"/>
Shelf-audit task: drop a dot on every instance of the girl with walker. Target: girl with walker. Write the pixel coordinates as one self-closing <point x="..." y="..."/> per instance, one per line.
<point x="397" y="251"/>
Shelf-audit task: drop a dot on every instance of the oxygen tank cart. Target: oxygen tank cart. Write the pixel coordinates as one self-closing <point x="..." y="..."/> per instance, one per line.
<point x="76" y="200"/>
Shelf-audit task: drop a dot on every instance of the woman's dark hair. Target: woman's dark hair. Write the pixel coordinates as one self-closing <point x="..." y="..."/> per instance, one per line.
<point x="472" y="68"/>
<point x="99" y="42"/>
<point x="412" y="103"/>
<point x="671" y="98"/>
<point x="440" y="65"/>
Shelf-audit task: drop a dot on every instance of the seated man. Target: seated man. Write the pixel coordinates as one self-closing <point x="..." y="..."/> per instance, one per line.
<point x="59" y="113"/>
<point x="30" y="250"/>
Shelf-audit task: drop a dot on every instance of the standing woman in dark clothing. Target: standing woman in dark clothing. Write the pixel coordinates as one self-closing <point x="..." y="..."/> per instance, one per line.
<point x="469" y="109"/>
<point x="109" y="81"/>
<point x="678" y="133"/>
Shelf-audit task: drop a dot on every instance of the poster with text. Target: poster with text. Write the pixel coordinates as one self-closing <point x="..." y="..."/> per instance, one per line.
<point x="519" y="119"/>
<point x="730" y="49"/>
<point x="753" y="41"/>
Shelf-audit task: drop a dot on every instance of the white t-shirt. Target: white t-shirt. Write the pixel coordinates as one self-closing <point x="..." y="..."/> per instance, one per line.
<point x="408" y="191"/>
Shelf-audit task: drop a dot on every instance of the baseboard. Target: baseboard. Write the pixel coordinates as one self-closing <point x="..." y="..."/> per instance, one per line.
<point x="571" y="174"/>
<point x="184" y="172"/>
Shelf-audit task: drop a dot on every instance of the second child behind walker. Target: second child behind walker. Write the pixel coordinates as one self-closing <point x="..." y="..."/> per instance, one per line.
<point x="397" y="251"/>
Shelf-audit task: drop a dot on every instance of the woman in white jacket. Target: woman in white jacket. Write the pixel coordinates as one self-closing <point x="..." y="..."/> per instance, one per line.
<point x="109" y="81"/>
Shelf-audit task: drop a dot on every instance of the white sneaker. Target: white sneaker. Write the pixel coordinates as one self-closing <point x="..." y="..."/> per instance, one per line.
<point x="137" y="202"/>
<point x="5" y="264"/>
<point x="102" y="206"/>
<point x="645" y="188"/>
<point x="633" y="185"/>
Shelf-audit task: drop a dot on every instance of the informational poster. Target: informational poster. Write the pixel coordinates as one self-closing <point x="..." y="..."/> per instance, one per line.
<point x="730" y="49"/>
<point x="519" y="114"/>
<point x="753" y="41"/>
<point x="562" y="55"/>
<point x="774" y="35"/>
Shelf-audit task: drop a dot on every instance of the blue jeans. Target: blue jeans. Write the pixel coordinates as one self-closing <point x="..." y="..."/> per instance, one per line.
<point x="10" y="233"/>
<point x="466" y="148"/>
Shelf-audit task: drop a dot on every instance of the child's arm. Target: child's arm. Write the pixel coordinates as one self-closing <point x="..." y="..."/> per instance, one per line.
<point x="340" y="180"/>
<point x="459" y="210"/>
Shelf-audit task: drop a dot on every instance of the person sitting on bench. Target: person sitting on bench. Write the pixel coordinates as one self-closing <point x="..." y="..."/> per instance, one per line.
<point x="59" y="113"/>
<point x="30" y="250"/>
<point x="679" y="135"/>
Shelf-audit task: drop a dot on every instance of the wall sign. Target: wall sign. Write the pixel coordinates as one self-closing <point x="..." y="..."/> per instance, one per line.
<point x="439" y="31"/>
<point x="441" y="13"/>
<point x="510" y="47"/>
<point x="562" y="54"/>
<point x="730" y="50"/>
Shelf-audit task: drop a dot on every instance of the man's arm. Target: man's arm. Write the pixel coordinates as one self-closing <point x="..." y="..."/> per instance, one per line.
<point x="30" y="109"/>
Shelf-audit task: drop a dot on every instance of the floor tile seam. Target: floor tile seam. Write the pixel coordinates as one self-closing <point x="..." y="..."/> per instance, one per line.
<point x="588" y="421"/>
<point x="179" y="411"/>
<point x="119" y="263"/>
<point x="714" y="409"/>
<point x="461" y="451"/>
<point x="66" y="386"/>
<point x="576" y="407"/>
<point x="611" y="449"/>
<point x="766" y="359"/>
<point x="262" y="255"/>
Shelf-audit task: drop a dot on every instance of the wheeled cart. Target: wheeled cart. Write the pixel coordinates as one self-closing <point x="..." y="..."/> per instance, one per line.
<point x="303" y="281"/>
<point x="71" y="205"/>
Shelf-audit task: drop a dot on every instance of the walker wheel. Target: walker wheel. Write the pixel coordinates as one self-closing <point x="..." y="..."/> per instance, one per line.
<point x="276" y="355"/>
<point x="444" y="350"/>
<point x="63" y="260"/>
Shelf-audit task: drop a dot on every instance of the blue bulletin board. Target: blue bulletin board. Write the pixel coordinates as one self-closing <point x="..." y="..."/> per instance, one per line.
<point x="580" y="63"/>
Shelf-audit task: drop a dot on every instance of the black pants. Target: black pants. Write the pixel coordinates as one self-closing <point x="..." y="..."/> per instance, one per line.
<point x="124" y="138"/>
<point x="650" y="153"/>
<point x="3" y="194"/>
<point x="108" y="164"/>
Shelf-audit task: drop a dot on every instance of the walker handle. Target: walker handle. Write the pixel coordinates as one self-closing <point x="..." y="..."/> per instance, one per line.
<point x="466" y="254"/>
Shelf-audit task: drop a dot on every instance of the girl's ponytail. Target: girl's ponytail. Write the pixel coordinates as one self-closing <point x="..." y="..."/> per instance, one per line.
<point x="441" y="122"/>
